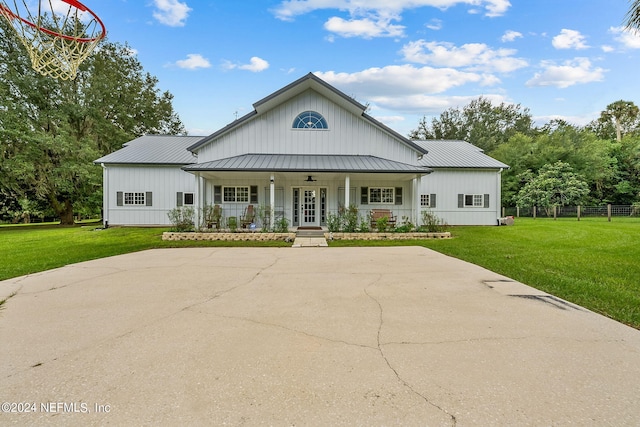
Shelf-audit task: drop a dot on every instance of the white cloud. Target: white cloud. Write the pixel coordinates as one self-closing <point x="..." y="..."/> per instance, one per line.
<point x="510" y="36"/>
<point x="401" y="81"/>
<point x="429" y="104"/>
<point x="628" y="39"/>
<point x="606" y="48"/>
<point x="255" y="65"/>
<point x="193" y="61"/>
<point x="366" y="28"/>
<point x="575" y="120"/>
<point x="475" y="56"/>
<point x="569" y="39"/>
<point x="434" y="24"/>
<point x="572" y="72"/>
<point x="287" y="10"/>
<point x="171" y="12"/>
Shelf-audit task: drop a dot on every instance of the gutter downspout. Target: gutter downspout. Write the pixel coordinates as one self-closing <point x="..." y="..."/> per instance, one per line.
<point x="105" y="196"/>
<point x="499" y="195"/>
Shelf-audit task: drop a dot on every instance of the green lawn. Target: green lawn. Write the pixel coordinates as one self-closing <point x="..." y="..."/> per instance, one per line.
<point x="593" y="263"/>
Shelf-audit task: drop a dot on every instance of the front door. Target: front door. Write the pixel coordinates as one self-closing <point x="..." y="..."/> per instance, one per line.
<point x="309" y="207"/>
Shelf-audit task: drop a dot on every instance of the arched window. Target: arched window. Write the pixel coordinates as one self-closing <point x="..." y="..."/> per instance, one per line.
<point x="310" y="120"/>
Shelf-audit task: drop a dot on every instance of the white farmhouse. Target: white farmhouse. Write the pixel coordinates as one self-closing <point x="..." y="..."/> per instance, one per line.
<point x="306" y="151"/>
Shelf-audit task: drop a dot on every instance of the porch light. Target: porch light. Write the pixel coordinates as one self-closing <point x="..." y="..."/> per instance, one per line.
<point x="309" y="179"/>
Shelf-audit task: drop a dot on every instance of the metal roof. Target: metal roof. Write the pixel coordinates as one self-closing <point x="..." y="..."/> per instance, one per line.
<point x="306" y="163"/>
<point x="456" y="154"/>
<point x="154" y="149"/>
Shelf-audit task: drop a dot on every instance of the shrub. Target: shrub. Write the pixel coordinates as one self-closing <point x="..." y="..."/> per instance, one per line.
<point x="350" y="219"/>
<point x="431" y="222"/>
<point x="334" y="222"/>
<point x="405" y="227"/>
<point x="382" y="224"/>
<point x="182" y="219"/>
<point x="281" y="225"/>
<point x="264" y="215"/>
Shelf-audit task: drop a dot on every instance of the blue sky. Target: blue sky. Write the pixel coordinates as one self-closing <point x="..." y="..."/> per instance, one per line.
<point x="404" y="58"/>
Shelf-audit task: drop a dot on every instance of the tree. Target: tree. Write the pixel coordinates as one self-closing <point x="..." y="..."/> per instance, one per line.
<point x="620" y="117"/>
<point x="52" y="130"/>
<point x="633" y="16"/>
<point x="554" y="185"/>
<point x="480" y="122"/>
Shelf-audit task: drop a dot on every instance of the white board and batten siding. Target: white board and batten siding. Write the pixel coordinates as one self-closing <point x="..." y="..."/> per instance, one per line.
<point x="449" y="184"/>
<point x="161" y="183"/>
<point x="272" y="133"/>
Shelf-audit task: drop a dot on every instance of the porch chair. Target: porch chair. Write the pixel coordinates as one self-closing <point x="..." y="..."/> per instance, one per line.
<point x="248" y="217"/>
<point x="215" y="217"/>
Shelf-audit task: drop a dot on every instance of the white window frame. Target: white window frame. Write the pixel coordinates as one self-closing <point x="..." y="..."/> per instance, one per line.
<point x="385" y="199"/>
<point x="477" y="201"/>
<point x="184" y="199"/>
<point x="134" y="198"/>
<point x="243" y="189"/>
<point x="425" y="200"/>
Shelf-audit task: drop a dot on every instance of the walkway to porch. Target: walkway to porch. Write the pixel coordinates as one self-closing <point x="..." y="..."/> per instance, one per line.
<point x="309" y="237"/>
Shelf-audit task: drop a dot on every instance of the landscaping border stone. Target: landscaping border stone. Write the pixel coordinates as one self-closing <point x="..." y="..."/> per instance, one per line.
<point x="249" y="237"/>
<point x="386" y="236"/>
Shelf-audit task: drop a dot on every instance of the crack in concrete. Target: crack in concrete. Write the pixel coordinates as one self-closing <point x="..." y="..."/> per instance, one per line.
<point x="141" y="326"/>
<point x="297" y="331"/>
<point x="396" y="373"/>
<point x="463" y="340"/>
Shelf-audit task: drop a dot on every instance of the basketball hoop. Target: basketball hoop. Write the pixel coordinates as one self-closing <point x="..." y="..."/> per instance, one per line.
<point x="59" y="37"/>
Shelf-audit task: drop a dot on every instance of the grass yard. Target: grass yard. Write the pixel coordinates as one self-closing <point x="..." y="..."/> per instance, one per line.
<point x="593" y="263"/>
<point x="31" y="249"/>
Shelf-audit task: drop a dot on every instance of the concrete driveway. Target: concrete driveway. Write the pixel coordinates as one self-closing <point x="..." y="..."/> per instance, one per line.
<point x="310" y="336"/>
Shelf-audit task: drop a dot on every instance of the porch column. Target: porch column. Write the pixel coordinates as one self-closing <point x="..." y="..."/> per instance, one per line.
<point x="198" y="200"/>
<point x="272" y="201"/>
<point x="417" y="184"/>
<point x="347" y="191"/>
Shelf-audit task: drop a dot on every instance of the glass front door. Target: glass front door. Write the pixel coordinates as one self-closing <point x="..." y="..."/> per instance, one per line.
<point x="309" y="207"/>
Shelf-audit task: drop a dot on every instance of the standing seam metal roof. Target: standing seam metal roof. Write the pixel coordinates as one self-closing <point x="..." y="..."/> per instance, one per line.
<point x="456" y="154"/>
<point x="154" y="149"/>
<point x="307" y="163"/>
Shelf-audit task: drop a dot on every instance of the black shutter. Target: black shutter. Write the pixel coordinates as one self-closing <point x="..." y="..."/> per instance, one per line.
<point x="179" y="197"/>
<point x="148" y="198"/>
<point x="217" y="194"/>
<point x="364" y="195"/>
<point x="398" y="194"/>
<point x="461" y="200"/>
<point x="253" y="194"/>
<point x="432" y="200"/>
<point x="120" y="198"/>
<point x="486" y="200"/>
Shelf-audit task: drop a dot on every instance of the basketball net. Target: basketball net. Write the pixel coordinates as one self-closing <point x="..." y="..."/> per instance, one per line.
<point x="59" y="37"/>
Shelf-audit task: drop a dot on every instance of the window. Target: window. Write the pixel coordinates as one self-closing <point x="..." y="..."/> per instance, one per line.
<point x="310" y="120"/>
<point x="381" y="195"/>
<point x="235" y="194"/>
<point x="428" y="200"/>
<point x="184" y="199"/>
<point x="134" y="199"/>
<point x="473" y="200"/>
